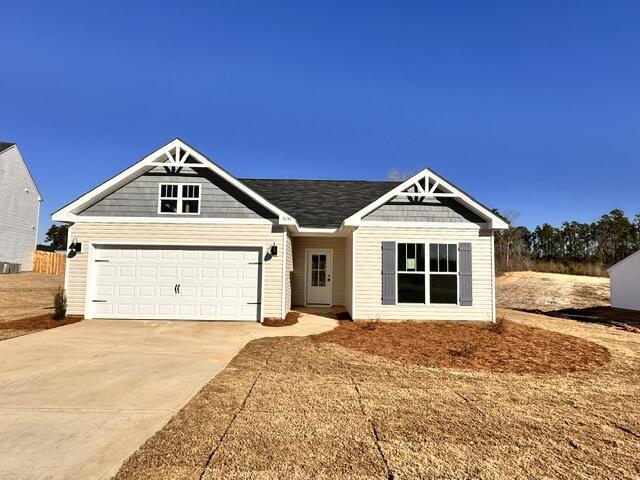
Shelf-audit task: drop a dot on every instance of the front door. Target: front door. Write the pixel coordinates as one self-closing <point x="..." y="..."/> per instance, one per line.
<point x="319" y="273"/>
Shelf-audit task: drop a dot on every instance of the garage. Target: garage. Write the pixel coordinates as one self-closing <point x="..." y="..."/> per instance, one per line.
<point x="175" y="283"/>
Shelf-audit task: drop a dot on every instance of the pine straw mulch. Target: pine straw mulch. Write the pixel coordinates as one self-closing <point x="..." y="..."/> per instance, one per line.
<point x="23" y="326"/>
<point x="299" y="408"/>
<point x="290" y="319"/>
<point x="506" y="346"/>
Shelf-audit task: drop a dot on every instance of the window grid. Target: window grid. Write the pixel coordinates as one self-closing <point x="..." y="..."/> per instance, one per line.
<point x="445" y="263"/>
<point x="179" y="199"/>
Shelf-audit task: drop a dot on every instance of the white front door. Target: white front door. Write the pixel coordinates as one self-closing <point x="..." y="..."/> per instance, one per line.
<point x="319" y="277"/>
<point x="186" y="283"/>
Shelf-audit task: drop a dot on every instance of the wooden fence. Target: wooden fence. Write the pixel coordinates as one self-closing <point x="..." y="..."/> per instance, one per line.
<point x="49" y="262"/>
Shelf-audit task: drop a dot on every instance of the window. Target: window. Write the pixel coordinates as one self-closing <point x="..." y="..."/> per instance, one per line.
<point x="412" y="275"/>
<point x="443" y="268"/>
<point x="179" y="198"/>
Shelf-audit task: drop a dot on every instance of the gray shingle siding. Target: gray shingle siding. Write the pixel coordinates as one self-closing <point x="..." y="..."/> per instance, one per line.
<point x="431" y="209"/>
<point x="139" y="198"/>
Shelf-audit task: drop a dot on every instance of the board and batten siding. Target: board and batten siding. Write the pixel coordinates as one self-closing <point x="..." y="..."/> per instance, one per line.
<point x="19" y="210"/>
<point x="175" y="235"/>
<point x="368" y="275"/>
<point x="300" y="245"/>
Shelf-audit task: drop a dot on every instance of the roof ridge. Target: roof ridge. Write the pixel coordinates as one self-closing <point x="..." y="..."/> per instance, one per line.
<point x="318" y="180"/>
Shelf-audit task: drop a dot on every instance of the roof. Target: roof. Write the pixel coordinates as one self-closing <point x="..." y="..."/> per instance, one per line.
<point x="320" y="203"/>
<point x="5" y="145"/>
<point x="624" y="261"/>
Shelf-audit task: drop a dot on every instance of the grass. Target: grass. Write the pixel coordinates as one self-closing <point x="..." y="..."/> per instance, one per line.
<point x="25" y="295"/>
<point x="312" y="408"/>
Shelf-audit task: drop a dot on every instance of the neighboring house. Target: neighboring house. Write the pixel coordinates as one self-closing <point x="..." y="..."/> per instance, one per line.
<point x="19" y="210"/>
<point x="624" y="278"/>
<point x="177" y="237"/>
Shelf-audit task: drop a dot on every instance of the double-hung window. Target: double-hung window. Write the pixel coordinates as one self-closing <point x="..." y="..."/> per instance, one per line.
<point x="427" y="282"/>
<point x="179" y="198"/>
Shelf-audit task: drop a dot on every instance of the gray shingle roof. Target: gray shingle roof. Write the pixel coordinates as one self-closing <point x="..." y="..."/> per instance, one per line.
<point x="5" y="145"/>
<point x="319" y="203"/>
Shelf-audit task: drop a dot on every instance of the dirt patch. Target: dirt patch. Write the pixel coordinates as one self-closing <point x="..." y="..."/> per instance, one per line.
<point x="550" y="291"/>
<point x="506" y="347"/>
<point x="290" y="319"/>
<point x="300" y="408"/>
<point x="23" y="326"/>
<point x="24" y="295"/>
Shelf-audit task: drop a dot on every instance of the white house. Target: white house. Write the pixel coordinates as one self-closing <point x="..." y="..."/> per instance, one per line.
<point x="19" y="211"/>
<point x="175" y="236"/>
<point x="624" y="278"/>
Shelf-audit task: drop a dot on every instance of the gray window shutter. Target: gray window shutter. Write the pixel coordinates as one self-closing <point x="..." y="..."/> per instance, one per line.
<point x="388" y="273"/>
<point x="464" y="271"/>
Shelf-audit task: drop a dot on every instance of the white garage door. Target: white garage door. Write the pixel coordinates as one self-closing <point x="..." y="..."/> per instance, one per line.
<point x="176" y="283"/>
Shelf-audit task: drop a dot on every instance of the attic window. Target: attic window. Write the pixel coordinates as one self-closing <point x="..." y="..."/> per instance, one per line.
<point x="183" y="198"/>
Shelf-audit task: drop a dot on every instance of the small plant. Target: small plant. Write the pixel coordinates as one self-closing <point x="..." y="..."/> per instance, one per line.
<point x="500" y="326"/>
<point x="60" y="304"/>
<point x="465" y="351"/>
<point x="372" y="323"/>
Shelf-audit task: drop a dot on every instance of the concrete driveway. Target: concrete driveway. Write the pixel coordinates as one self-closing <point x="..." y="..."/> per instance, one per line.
<point x="77" y="400"/>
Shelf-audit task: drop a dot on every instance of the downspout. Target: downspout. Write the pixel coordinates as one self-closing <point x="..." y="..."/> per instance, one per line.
<point x="284" y="271"/>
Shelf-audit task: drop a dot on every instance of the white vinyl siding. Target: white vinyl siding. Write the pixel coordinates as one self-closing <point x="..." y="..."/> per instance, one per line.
<point x="368" y="279"/>
<point x="300" y="245"/>
<point x="19" y="209"/>
<point x="348" y="272"/>
<point x="175" y="235"/>
<point x="288" y="274"/>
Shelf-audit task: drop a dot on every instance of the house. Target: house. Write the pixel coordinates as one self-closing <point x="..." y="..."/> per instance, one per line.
<point x="19" y="211"/>
<point x="624" y="278"/>
<point x="175" y="236"/>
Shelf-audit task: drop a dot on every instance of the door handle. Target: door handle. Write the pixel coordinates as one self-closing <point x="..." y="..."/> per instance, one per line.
<point x="178" y="288"/>
<point x="175" y="289"/>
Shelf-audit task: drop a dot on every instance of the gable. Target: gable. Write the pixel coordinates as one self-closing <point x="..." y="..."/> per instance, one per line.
<point x="424" y="209"/>
<point x="139" y="198"/>
<point x="178" y="159"/>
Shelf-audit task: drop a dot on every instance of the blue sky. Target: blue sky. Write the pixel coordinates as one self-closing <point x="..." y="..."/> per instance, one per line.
<point x="532" y="107"/>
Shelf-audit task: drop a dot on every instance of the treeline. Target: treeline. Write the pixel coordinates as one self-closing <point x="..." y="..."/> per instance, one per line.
<point x="576" y="248"/>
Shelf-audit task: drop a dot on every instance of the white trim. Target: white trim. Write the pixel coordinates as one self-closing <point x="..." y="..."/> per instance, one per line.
<point x="171" y="219"/>
<point x="163" y="157"/>
<point x="306" y="277"/>
<point x="179" y="199"/>
<point x="357" y="218"/>
<point x="353" y="275"/>
<point x="624" y="260"/>
<point x="284" y="269"/>
<point x="433" y="225"/>
<point x="493" y="280"/>
<point x="88" y="312"/>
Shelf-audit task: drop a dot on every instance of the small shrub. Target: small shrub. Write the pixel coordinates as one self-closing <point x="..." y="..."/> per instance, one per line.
<point x="372" y="324"/>
<point x="60" y="305"/>
<point x="499" y="326"/>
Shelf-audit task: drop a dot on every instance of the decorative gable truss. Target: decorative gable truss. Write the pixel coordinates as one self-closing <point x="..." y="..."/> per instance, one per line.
<point x="173" y="157"/>
<point x="427" y="184"/>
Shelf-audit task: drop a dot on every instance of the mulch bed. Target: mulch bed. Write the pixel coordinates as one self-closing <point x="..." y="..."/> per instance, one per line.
<point x="290" y="319"/>
<point x="617" y="317"/>
<point x="23" y="326"/>
<point x="506" y="347"/>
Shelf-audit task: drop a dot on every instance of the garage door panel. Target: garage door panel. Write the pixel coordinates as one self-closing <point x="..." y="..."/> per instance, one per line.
<point x="215" y="283"/>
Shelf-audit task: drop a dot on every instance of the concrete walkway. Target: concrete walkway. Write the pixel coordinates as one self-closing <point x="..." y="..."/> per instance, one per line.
<point x="77" y="400"/>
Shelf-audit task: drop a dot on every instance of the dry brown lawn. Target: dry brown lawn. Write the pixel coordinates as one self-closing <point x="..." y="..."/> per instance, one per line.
<point x="550" y="291"/>
<point x="27" y="294"/>
<point x="307" y="408"/>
